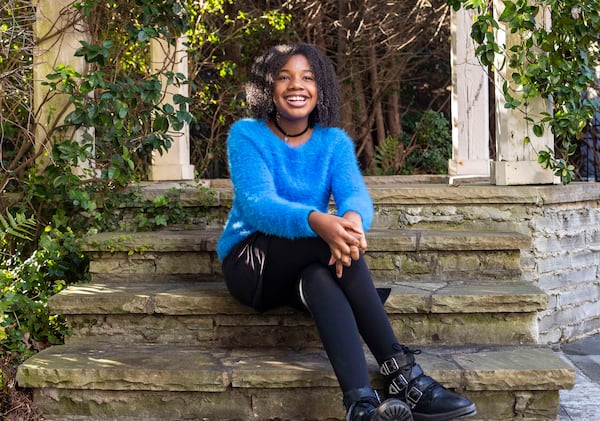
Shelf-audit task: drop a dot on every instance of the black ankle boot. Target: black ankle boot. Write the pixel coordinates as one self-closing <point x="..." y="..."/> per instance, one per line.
<point x="429" y="400"/>
<point x="363" y="404"/>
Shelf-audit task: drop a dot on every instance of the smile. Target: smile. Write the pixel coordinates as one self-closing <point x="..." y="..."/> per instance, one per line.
<point x="296" y="98"/>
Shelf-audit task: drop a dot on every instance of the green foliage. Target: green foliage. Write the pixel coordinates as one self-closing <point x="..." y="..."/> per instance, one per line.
<point x="423" y="148"/>
<point x="431" y="132"/>
<point x="389" y="156"/>
<point x="116" y="122"/>
<point x="18" y="226"/>
<point x="557" y="64"/>
<point x="28" y="278"/>
<point x="224" y="38"/>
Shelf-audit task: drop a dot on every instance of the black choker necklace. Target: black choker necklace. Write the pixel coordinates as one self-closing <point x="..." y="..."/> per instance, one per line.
<point x="286" y="136"/>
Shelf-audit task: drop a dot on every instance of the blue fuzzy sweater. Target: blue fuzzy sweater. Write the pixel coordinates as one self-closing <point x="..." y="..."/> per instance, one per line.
<point x="276" y="186"/>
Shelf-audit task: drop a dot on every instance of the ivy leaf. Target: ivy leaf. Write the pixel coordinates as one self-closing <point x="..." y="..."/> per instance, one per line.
<point x="160" y="124"/>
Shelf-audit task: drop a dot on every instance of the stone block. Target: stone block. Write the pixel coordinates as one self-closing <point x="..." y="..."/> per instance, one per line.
<point x="110" y="367"/>
<point x="513" y="370"/>
<point x="557" y="280"/>
<point x="550" y="243"/>
<point x="515" y="405"/>
<point x="456" y="329"/>
<point x="579" y="293"/>
<point x="135" y="405"/>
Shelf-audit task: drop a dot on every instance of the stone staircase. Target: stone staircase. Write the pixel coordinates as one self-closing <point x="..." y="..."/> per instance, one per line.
<point x="156" y="336"/>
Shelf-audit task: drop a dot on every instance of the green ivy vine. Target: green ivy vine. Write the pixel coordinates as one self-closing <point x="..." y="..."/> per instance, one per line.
<point x="558" y="64"/>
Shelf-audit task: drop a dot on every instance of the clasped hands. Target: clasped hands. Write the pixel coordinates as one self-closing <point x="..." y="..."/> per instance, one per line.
<point x="344" y="235"/>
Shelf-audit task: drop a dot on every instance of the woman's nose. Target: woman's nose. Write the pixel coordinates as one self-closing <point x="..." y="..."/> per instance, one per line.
<point x="295" y="83"/>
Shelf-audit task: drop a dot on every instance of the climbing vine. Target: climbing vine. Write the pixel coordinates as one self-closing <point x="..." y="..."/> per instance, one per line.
<point x="558" y="63"/>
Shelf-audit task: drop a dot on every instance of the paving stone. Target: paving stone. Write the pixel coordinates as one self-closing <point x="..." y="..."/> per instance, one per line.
<point x="515" y="369"/>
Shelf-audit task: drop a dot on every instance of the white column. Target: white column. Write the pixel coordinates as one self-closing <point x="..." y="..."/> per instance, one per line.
<point x="470" y="102"/>
<point x="516" y="161"/>
<point x="57" y="40"/>
<point x="173" y="164"/>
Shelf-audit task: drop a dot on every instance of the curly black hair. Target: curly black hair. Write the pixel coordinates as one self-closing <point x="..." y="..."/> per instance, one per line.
<point x="259" y="89"/>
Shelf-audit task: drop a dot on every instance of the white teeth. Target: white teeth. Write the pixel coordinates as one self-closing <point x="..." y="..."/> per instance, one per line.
<point x="296" y="98"/>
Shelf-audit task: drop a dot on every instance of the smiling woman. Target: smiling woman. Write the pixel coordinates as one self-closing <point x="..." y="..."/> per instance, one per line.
<point x="281" y="246"/>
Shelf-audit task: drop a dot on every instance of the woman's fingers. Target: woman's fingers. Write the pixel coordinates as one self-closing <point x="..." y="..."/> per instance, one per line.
<point x="339" y="269"/>
<point x="354" y="252"/>
<point x="362" y="244"/>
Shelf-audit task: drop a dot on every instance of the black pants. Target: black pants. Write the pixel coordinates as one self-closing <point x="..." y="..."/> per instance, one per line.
<point x="265" y="272"/>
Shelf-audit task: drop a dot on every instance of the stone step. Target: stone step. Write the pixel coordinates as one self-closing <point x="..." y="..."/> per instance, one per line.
<point x="92" y="381"/>
<point x="441" y="312"/>
<point x="393" y="254"/>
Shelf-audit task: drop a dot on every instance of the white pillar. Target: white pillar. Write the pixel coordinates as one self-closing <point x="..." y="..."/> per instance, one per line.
<point x="173" y="164"/>
<point x="516" y="161"/>
<point x="470" y="102"/>
<point x="57" y="40"/>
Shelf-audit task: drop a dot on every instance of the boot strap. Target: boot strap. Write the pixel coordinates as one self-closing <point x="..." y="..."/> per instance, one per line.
<point x="393" y="364"/>
<point x="361" y="393"/>
<point x="399" y="385"/>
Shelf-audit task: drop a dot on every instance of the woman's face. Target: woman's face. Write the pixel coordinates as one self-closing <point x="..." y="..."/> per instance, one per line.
<point x="295" y="89"/>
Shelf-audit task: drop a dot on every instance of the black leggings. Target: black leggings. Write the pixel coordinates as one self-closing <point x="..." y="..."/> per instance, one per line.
<point x="266" y="272"/>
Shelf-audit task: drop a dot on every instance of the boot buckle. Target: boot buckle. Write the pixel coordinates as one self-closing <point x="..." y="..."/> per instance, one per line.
<point x="389" y="366"/>
<point x="398" y="385"/>
<point x="413" y="396"/>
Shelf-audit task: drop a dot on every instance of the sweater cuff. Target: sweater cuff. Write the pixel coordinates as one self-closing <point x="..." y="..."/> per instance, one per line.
<point x="308" y="229"/>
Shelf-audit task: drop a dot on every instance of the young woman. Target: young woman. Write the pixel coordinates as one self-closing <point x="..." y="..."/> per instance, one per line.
<point x="281" y="246"/>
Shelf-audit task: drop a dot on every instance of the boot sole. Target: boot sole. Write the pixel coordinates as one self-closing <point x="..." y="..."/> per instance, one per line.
<point x="393" y="410"/>
<point x="467" y="411"/>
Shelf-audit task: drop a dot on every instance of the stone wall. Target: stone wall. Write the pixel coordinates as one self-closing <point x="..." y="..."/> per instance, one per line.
<point x="564" y="262"/>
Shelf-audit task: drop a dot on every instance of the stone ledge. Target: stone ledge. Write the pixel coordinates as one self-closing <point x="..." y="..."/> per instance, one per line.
<point x="165" y="368"/>
<point x="171" y="240"/>
<point x="413" y="190"/>
<point x="197" y="298"/>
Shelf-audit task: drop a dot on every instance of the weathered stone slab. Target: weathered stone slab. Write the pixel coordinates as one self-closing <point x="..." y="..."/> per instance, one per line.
<point x="301" y="404"/>
<point x="106" y="366"/>
<point x="213" y="298"/>
<point x="298" y="331"/>
<point x="104" y="299"/>
<point x="515" y="369"/>
<point x="100" y="366"/>
<point x="424" y="240"/>
<point x="171" y="240"/>
<point x="498" y="297"/>
<point x="165" y="240"/>
<point x="142" y="405"/>
<point x="476" y="328"/>
<point x="444" y="265"/>
<point x="205" y="313"/>
<point x="264" y="368"/>
<point x="154" y="263"/>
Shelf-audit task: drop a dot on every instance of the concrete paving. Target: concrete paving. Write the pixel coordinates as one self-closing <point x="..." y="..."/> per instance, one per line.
<point x="582" y="403"/>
